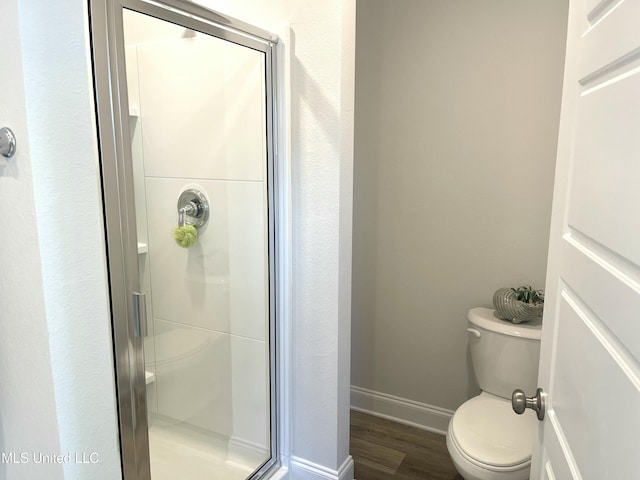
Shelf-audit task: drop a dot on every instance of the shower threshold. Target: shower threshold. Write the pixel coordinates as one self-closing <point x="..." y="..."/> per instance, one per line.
<point x="182" y="452"/>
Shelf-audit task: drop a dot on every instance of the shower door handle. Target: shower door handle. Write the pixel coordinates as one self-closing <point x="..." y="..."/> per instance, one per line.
<point x="140" y="314"/>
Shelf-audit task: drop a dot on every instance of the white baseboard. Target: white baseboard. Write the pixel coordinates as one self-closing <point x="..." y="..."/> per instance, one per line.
<point x="301" y="469"/>
<point x="401" y="410"/>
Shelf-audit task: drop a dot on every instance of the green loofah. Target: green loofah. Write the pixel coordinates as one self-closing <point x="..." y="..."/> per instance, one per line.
<point x="185" y="236"/>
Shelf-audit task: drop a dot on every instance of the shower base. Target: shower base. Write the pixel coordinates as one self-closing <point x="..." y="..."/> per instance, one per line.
<point x="182" y="452"/>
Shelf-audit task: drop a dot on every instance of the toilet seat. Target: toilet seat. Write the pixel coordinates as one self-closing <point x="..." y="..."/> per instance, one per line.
<point x="487" y="433"/>
<point x="465" y="464"/>
<point x="471" y="470"/>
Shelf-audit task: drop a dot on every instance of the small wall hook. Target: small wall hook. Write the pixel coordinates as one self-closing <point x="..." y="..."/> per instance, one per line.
<point x="7" y="142"/>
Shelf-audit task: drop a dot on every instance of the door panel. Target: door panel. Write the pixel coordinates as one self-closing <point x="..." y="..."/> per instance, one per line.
<point x="590" y="351"/>
<point x="558" y="463"/>
<point x="593" y="379"/>
<point x="613" y="295"/>
<point x="609" y="40"/>
<point x="604" y="163"/>
<point x="548" y="472"/>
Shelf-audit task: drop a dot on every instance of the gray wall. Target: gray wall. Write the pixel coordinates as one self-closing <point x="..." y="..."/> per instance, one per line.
<point x="457" y="108"/>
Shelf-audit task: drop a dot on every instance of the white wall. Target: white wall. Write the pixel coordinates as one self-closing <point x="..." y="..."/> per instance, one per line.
<point x="28" y="421"/>
<point x="58" y="95"/>
<point x="457" y="107"/>
<point x="57" y="392"/>
<point x="62" y="143"/>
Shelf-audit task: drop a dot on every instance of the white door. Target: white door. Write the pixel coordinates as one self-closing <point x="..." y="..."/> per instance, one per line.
<point x="590" y="360"/>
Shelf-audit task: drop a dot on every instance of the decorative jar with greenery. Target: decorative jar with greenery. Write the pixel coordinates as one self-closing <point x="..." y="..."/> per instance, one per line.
<point x="518" y="305"/>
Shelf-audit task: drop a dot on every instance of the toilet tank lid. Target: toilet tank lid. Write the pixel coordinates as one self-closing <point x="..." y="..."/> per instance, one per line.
<point x="484" y="318"/>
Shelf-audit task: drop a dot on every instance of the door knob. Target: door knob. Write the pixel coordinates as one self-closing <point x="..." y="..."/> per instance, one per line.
<point x="520" y="402"/>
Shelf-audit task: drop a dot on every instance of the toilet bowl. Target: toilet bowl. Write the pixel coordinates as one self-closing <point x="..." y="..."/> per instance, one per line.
<point x="486" y="439"/>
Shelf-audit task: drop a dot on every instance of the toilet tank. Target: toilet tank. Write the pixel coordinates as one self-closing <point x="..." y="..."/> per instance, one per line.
<point x="504" y="355"/>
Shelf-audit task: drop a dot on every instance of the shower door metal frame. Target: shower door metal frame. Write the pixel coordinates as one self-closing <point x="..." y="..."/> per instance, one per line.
<point x="112" y="115"/>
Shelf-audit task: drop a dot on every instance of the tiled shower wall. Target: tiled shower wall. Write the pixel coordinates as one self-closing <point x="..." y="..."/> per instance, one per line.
<point x="198" y="121"/>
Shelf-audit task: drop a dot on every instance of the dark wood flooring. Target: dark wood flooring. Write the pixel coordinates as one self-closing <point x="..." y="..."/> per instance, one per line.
<point x="386" y="450"/>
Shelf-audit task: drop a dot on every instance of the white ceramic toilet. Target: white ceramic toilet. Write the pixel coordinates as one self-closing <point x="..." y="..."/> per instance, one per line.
<point x="486" y="439"/>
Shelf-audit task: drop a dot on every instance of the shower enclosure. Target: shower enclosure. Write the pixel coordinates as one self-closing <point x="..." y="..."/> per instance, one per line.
<point x="185" y="113"/>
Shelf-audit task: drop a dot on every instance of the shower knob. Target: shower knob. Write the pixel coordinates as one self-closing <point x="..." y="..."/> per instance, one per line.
<point x="193" y="208"/>
<point x="520" y="402"/>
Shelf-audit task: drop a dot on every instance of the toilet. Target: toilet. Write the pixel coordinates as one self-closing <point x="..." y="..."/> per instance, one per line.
<point x="485" y="438"/>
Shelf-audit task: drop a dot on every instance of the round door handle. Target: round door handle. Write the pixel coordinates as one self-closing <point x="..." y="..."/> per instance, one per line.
<point x="520" y="402"/>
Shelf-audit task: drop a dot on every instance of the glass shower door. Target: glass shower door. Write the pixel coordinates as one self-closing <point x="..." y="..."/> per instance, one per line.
<point x="198" y="111"/>
<point x="198" y="123"/>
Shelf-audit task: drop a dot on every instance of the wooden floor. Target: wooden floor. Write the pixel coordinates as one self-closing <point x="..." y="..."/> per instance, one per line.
<point x="386" y="450"/>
